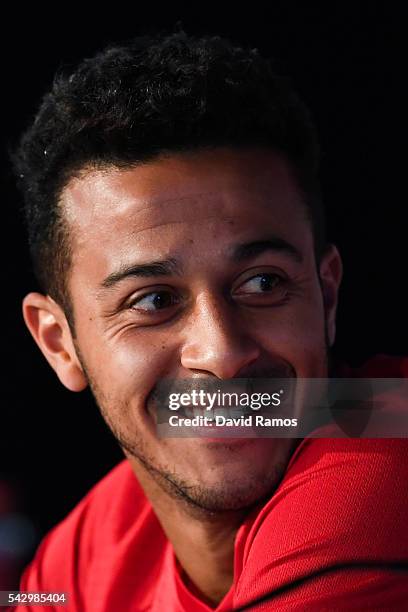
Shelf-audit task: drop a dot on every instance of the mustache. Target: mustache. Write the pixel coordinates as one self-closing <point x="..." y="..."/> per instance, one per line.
<point x="276" y="370"/>
<point x="250" y="379"/>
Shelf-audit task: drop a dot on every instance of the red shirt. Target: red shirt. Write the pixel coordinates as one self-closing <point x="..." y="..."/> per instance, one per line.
<point x="332" y="537"/>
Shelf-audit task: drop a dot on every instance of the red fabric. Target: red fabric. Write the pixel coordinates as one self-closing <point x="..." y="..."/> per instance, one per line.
<point x="332" y="537"/>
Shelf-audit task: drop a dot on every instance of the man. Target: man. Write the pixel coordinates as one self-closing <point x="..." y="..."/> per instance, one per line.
<point x="176" y="229"/>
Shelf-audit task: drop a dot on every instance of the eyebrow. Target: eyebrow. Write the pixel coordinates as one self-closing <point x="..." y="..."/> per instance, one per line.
<point x="168" y="267"/>
<point x="164" y="267"/>
<point x="258" y="247"/>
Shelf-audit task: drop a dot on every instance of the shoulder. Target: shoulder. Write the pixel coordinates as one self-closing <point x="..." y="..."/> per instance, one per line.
<point x="335" y="493"/>
<point x="96" y="523"/>
<point x="342" y="502"/>
<point x="335" y="529"/>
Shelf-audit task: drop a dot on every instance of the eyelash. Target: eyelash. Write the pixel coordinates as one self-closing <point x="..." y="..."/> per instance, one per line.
<point x="157" y="292"/>
<point x="280" y="283"/>
<point x="280" y="278"/>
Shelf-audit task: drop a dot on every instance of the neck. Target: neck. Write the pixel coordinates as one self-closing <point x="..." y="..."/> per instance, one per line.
<point x="203" y="541"/>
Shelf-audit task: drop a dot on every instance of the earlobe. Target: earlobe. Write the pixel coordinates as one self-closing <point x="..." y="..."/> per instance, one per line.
<point x="331" y="272"/>
<point x="47" y="324"/>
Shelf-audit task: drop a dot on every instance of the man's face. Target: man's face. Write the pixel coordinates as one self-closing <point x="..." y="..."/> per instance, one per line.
<point x="194" y="266"/>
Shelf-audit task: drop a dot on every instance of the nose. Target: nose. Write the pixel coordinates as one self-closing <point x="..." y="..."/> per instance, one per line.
<point x="215" y="341"/>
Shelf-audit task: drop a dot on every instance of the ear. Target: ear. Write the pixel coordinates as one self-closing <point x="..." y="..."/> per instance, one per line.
<point x="331" y="272"/>
<point x="48" y="325"/>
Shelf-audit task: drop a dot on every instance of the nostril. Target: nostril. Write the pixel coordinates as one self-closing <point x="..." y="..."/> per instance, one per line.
<point x="223" y="362"/>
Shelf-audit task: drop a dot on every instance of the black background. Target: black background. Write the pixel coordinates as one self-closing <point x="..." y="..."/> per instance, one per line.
<point x="347" y="61"/>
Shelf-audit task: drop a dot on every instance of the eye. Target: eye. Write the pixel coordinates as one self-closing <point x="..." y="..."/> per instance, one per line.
<point x="263" y="289"/>
<point x="154" y="301"/>
<point x="261" y="283"/>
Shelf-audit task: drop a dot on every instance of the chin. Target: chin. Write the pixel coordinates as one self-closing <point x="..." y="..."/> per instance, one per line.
<point x="229" y="495"/>
<point x="234" y="488"/>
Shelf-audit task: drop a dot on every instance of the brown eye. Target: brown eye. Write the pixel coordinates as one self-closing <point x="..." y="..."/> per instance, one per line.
<point x="156" y="300"/>
<point x="260" y="283"/>
<point x="269" y="281"/>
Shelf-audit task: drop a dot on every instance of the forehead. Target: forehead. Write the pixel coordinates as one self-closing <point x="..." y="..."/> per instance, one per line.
<point x="160" y="205"/>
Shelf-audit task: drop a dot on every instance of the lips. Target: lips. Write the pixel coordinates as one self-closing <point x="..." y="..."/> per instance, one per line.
<point x="228" y="412"/>
<point x="252" y="380"/>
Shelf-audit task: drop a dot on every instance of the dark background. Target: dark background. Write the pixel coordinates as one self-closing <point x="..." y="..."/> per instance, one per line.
<point x="348" y="62"/>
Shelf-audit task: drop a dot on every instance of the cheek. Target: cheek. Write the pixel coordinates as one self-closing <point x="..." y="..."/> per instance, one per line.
<point x="127" y="367"/>
<point x="295" y="333"/>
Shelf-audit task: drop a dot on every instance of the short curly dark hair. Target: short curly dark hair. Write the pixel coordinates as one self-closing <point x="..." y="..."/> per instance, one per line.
<point x="154" y="94"/>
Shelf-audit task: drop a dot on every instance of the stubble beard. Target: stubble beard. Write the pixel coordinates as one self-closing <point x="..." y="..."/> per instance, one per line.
<point x="223" y="497"/>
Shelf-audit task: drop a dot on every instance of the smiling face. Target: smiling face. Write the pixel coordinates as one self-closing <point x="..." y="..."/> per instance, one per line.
<point x="195" y="266"/>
